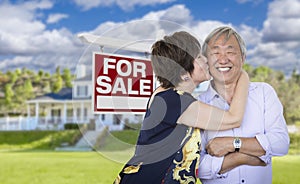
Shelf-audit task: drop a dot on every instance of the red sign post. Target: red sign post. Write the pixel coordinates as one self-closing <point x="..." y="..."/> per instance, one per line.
<point x="122" y="84"/>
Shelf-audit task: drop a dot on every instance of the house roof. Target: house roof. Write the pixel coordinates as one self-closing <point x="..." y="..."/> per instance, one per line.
<point x="63" y="94"/>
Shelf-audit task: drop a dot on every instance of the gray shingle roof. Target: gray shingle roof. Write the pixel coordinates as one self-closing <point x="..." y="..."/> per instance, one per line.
<point x="63" y="94"/>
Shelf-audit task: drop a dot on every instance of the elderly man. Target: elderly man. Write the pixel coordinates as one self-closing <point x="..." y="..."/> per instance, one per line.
<point x="244" y="154"/>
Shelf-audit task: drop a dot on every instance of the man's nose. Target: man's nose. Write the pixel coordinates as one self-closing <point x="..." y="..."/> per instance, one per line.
<point x="223" y="59"/>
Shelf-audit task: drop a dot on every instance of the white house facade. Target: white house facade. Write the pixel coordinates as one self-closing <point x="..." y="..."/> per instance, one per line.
<point x="70" y="105"/>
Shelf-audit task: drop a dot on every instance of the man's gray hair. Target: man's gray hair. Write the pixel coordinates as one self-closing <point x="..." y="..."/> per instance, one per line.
<point x="227" y="31"/>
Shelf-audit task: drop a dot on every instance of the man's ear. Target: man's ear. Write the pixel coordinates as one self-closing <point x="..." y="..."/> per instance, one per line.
<point x="243" y="59"/>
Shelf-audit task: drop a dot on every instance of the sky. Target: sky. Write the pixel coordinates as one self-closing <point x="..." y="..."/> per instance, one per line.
<point x="43" y="34"/>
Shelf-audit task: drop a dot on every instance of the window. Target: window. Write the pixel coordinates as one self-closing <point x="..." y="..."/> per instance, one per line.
<point x="69" y="112"/>
<point x="55" y="113"/>
<point x="85" y="112"/>
<point x="78" y="112"/>
<point x="82" y="91"/>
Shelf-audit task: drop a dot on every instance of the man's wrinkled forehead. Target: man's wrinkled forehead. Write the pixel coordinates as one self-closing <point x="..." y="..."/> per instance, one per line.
<point x="224" y="37"/>
<point x="224" y="41"/>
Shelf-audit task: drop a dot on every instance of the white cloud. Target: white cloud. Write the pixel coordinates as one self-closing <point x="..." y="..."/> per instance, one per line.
<point x="15" y="62"/>
<point x="251" y="35"/>
<point x="203" y="28"/>
<point x="15" y="16"/>
<point x="284" y="9"/>
<point x="285" y="62"/>
<point x="89" y="4"/>
<point x="249" y="1"/>
<point x="276" y="45"/>
<point x="147" y="26"/>
<point x="283" y="21"/>
<point x="123" y="4"/>
<point x="53" y="18"/>
<point x="29" y="44"/>
<point x="130" y="4"/>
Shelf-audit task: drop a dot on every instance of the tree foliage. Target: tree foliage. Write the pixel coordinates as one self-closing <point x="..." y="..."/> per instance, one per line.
<point x="57" y="84"/>
<point x="67" y="77"/>
<point x="23" y="84"/>
<point x="8" y="93"/>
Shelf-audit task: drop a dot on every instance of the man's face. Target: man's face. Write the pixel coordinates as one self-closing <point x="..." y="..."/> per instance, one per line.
<point x="224" y="59"/>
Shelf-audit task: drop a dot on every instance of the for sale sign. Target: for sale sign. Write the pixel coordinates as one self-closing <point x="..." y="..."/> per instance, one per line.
<point x="122" y="84"/>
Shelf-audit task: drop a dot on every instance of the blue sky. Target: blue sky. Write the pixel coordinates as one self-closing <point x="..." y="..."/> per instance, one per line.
<point x="42" y="34"/>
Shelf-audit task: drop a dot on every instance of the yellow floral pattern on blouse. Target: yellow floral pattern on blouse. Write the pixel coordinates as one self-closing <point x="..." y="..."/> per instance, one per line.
<point x="190" y="152"/>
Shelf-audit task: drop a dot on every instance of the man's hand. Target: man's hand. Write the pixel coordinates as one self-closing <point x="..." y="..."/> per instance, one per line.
<point x="220" y="146"/>
<point x="236" y="159"/>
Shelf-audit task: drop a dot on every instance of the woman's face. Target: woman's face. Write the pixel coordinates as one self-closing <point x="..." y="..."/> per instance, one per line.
<point x="201" y="71"/>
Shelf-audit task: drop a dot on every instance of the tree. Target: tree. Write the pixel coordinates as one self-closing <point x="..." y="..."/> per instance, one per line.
<point x="46" y="87"/>
<point x="9" y="93"/>
<point x="261" y="74"/>
<point x="67" y="77"/>
<point x="13" y="76"/>
<point x="57" y="84"/>
<point x="18" y="72"/>
<point x="28" y="89"/>
<point x="249" y="69"/>
<point x="57" y="70"/>
<point x="295" y="76"/>
<point x="41" y="73"/>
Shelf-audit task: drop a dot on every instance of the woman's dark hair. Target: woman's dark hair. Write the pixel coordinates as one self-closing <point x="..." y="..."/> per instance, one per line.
<point x="174" y="56"/>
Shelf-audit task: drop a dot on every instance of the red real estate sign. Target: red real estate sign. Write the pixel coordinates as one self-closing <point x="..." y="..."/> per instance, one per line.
<point x="122" y="84"/>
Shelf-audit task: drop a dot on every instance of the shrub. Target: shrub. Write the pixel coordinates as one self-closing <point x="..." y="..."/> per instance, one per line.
<point x="37" y="139"/>
<point x="71" y="126"/>
<point x="295" y="141"/>
<point x="132" y="126"/>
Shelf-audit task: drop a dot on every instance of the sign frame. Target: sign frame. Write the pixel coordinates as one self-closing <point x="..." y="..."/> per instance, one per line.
<point x="121" y="104"/>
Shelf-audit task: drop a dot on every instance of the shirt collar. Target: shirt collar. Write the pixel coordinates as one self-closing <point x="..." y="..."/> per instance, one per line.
<point x="211" y="93"/>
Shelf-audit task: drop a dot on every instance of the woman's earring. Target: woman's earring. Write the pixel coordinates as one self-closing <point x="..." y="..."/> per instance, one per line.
<point x="186" y="78"/>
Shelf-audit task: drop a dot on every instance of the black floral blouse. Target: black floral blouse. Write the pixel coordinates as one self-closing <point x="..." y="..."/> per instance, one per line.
<point x="166" y="152"/>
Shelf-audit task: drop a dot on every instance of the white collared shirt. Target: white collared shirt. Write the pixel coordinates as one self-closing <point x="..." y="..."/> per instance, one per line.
<point x="264" y="120"/>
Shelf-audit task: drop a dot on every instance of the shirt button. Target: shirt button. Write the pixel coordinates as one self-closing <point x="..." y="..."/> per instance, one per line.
<point x="243" y="181"/>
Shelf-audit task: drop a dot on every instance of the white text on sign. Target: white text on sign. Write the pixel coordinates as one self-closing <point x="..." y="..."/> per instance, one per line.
<point x="124" y="68"/>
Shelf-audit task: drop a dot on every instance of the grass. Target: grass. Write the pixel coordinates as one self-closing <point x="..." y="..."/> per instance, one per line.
<point x="35" y="166"/>
<point x="56" y="167"/>
<point x="29" y="140"/>
<point x="92" y="167"/>
<point x="285" y="169"/>
<point x="120" y="140"/>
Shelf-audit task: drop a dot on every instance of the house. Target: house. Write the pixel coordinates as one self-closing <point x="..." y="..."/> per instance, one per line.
<point x="72" y="105"/>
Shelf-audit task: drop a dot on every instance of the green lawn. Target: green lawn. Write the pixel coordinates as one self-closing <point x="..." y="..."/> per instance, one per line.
<point x="95" y="168"/>
<point x="56" y="168"/>
<point x="286" y="169"/>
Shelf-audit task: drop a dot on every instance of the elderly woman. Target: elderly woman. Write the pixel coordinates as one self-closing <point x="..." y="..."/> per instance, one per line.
<point x="168" y="146"/>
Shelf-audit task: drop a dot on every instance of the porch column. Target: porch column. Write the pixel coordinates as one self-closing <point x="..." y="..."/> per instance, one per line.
<point x="65" y="113"/>
<point x="7" y="122"/>
<point x="28" y="117"/>
<point x="36" y="115"/>
<point x="81" y="111"/>
<point x="20" y="122"/>
<point x="75" y="120"/>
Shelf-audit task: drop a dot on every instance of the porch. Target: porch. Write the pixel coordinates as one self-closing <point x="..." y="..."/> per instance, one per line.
<point x="53" y="123"/>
